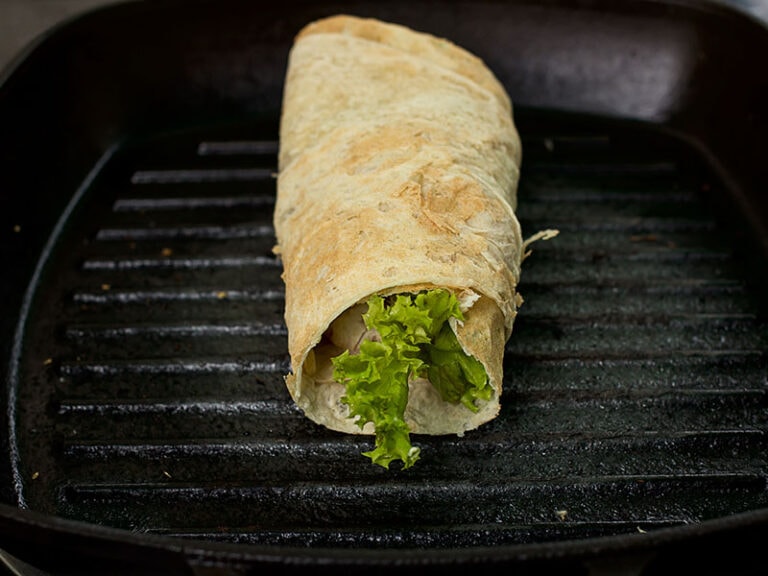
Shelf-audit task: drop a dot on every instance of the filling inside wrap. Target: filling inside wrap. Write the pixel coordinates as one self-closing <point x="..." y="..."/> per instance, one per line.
<point x="382" y="350"/>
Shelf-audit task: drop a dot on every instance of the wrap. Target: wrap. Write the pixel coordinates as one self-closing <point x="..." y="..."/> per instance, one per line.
<point x="398" y="169"/>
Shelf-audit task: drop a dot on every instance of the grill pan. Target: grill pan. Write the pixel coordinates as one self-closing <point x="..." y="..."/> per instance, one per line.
<point x="145" y="423"/>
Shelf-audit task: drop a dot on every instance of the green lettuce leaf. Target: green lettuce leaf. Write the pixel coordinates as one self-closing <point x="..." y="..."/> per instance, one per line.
<point x="416" y="341"/>
<point x="457" y="376"/>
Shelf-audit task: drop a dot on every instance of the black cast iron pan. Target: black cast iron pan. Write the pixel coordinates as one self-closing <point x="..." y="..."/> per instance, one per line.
<point x="145" y="424"/>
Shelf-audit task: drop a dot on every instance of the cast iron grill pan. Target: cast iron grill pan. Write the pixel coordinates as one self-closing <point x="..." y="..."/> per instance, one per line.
<point x="142" y="306"/>
<point x="152" y="395"/>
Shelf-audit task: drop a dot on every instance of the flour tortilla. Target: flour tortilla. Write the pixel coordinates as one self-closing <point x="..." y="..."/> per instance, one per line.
<point x="398" y="171"/>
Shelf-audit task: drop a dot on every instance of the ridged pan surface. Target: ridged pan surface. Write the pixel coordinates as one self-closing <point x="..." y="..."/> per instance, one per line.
<point x="151" y="393"/>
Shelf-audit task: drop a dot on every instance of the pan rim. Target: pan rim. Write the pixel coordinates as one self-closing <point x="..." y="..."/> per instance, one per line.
<point x="584" y="548"/>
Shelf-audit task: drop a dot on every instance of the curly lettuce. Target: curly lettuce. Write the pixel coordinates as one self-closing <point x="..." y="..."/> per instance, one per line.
<point x="413" y="338"/>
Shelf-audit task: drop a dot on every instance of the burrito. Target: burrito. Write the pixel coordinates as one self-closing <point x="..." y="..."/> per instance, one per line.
<point x="395" y="223"/>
